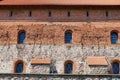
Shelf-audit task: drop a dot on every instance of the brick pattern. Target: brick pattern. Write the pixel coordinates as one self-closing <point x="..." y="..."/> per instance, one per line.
<point x="60" y="15"/>
<point x="45" y="39"/>
<point x="93" y="33"/>
<point x="101" y="61"/>
<point x="41" y="61"/>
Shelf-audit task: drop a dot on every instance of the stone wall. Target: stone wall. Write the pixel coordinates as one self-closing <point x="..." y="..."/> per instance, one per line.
<point x="59" y="54"/>
<point x="40" y="69"/>
<point x="57" y="77"/>
<point x="99" y="70"/>
<point x="45" y="38"/>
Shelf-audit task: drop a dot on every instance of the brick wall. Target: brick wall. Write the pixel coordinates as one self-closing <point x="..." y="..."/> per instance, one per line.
<point x="92" y="33"/>
<point x="60" y="14"/>
<point x="45" y="38"/>
<point x="89" y="26"/>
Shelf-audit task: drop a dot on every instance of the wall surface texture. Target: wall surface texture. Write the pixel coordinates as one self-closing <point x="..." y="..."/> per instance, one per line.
<point x="45" y="49"/>
<point x="45" y="40"/>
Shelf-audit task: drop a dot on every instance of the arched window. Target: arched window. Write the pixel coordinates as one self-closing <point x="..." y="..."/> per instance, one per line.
<point x="68" y="67"/>
<point x="68" y="36"/>
<point x="21" y="37"/>
<point x="115" y="67"/>
<point x="19" y="67"/>
<point x="114" y="37"/>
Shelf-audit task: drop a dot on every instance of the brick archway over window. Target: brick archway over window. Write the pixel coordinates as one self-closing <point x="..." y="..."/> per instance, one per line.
<point x="115" y="66"/>
<point x="19" y="62"/>
<point x="69" y="63"/>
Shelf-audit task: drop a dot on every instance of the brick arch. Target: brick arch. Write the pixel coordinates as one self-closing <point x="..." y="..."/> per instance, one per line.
<point x="73" y="64"/>
<point x="113" y="61"/>
<point x="20" y="31"/>
<point x="114" y="31"/>
<point x="15" y="64"/>
<point x="68" y="30"/>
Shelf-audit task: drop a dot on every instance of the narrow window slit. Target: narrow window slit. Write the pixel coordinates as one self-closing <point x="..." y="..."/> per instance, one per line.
<point x="87" y="14"/>
<point x="49" y="14"/>
<point x="11" y="14"/>
<point x="69" y="14"/>
<point x="30" y="13"/>
<point x="106" y="13"/>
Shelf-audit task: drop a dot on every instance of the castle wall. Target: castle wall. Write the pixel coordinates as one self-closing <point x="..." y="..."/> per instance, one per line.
<point x="45" y="39"/>
<point x="60" y="14"/>
<point x="57" y="77"/>
<point x="83" y="33"/>
<point x="59" y="54"/>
